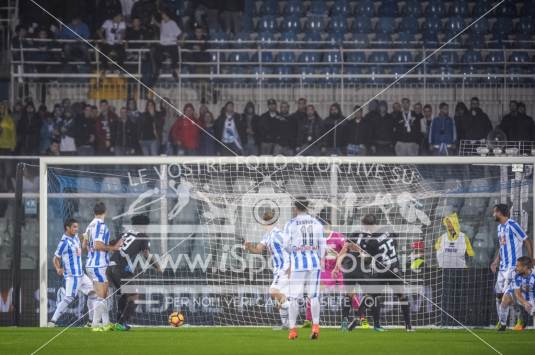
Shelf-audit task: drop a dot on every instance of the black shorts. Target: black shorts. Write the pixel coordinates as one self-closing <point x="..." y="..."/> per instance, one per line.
<point x="116" y="274"/>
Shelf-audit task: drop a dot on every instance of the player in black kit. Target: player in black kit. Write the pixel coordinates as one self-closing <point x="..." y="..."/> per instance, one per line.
<point x="383" y="268"/>
<point x="133" y="244"/>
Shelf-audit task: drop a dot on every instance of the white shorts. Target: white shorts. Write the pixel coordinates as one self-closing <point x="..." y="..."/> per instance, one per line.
<point x="503" y="281"/>
<point x="73" y="284"/>
<point x="301" y="281"/>
<point x="97" y="274"/>
<point x="280" y="282"/>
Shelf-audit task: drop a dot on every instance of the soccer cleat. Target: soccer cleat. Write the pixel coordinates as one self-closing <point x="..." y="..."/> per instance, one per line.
<point x="292" y="335"/>
<point x="119" y="327"/>
<point x="502" y="328"/>
<point x="315" y="332"/>
<point x="409" y="328"/>
<point x="498" y="325"/>
<point x="126" y="327"/>
<point x="344" y="325"/>
<point x="88" y="324"/>
<point x="51" y="324"/>
<point x="97" y="329"/>
<point x="379" y="329"/>
<point x="364" y="323"/>
<point x="519" y="326"/>
<point x="108" y="327"/>
<point x="307" y="324"/>
<point x="353" y="324"/>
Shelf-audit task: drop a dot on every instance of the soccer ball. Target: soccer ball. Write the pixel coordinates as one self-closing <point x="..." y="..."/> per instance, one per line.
<point x="176" y="319"/>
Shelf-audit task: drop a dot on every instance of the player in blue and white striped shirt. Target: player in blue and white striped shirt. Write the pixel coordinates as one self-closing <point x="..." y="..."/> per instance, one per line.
<point x="306" y="245"/>
<point x="97" y="241"/>
<point x="68" y="263"/>
<point x="273" y="241"/>
<point x="511" y="239"/>
<point x="521" y="290"/>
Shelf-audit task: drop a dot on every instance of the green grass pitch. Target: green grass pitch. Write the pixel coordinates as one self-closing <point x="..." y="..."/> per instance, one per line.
<point x="236" y="341"/>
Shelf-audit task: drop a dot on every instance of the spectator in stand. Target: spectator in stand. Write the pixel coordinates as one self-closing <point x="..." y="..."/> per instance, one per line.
<point x="231" y="16"/>
<point x="42" y="49"/>
<point x="425" y="126"/>
<point x="168" y="116"/>
<point x="267" y="127"/>
<point x="283" y="139"/>
<point x="77" y="49"/>
<point x="207" y="144"/>
<point x="252" y="147"/>
<point x="209" y="9"/>
<point x="475" y="125"/>
<point x="308" y="131"/>
<point x="112" y="32"/>
<point x="28" y="131"/>
<point x="49" y="129"/>
<point x="85" y="132"/>
<point x="333" y="144"/>
<point x="53" y="149"/>
<point x="169" y="34"/>
<point x="197" y="45"/>
<point x="396" y="108"/>
<point x="108" y="9"/>
<point x="126" y="7"/>
<point x="7" y="146"/>
<point x="123" y="134"/>
<point x="442" y="133"/>
<point x="135" y="116"/>
<point x="517" y="126"/>
<point x="150" y="129"/>
<point x="103" y="128"/>
<point x="356" y="133"/>
<point x="16" y="114"/>
<point x="407" y="130"/>
<point x="145" y="10"/>
<point x="66" y="128"/>
<point x="185" y="132"/>
<point x="382" y="130"/>
<point x="138" y="31"/>
<point x="230" y="129"/>
<point x="418" y="110"/>
<point x="19" y="42"/>
<point x="299" y="115"/>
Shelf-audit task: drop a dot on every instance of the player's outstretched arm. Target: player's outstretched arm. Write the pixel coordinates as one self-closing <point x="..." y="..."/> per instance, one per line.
<point x="254" y="248"/>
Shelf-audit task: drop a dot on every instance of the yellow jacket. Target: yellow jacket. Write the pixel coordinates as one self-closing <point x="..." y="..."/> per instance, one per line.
<point x="454" y="220"/>
<point x="7" y="132"/>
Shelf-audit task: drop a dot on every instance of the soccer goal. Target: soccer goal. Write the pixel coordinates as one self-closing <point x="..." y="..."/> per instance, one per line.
<point x="202" y="210"/>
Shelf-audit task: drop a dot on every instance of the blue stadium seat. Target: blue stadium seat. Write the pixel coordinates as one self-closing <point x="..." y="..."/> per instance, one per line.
<point x="448" y="57"/>
<point x="338" y="24"/>
<point x="353" y="58"/>
<point x="309" y="57"/>
<point x="495" y="57"/>
<point x="388" y="9"/>
<point x="365" y="8"/>
<point x="340" y="8"/>
<point x="247" y="24"/>
<point x="362" y="24"/>
<point x="283" y="71"/>
<point x="383" y="40"/>
<point x="266" y="39"/>
<point x="475" y="41"/>
<point x="220" y="38"/>
<point x="359" y="40"/>
<point x="430" y="40"/>
<point x="472" y="56"/>
<point x="375" y="70"/>
<point x="289" y="39"/>
<point x="240" y="38"/>
<point x="268" y="8"/>
<point x="312" y="36"/>
<point x="401" y="57"/>
<point x="378" y="57"/>
<point x="446" y="71"/>
<point x="354" y="70"/>
<point x="315" y="24"/>
<point x="332" y="57"/>
<point x="435" y="8"/>
<point x="329" y="72"/>
<point x="412" y="8"/>
<point x="317" y="7"/>
<point x="503" y="25"/>
<point x="481" y="27"/>
<point x="215" y="56"/>
<point x="507" y="9"/>
<point x="286" y="57"/>
<point x="525" y="25"/>
<point x="336" y="39"/>
<point x="267" y="57"/>
<point x="519" y="57"/>
<point x="238" y="57"/>
<point x="267" y="24"/>
<point x="406" y="39"/>
<point x="431" y="25"/>
<point x="293" y="8"/>
<point x="523" y="41"/>
<point x="305" y="72"/>
<point x="290" y="24"/>
<point x="453" y="26"/>
<point x="459" y="8"/>
<point x="260" y="71"/>
<point x="409" y="24"/>
<point x="386" y="25"/>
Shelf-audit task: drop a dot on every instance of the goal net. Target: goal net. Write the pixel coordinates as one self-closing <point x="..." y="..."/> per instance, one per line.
<point x="202" y="210"/>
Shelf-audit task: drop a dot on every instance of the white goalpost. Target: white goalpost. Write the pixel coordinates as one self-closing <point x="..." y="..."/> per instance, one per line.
<point x="203" y="209"/>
